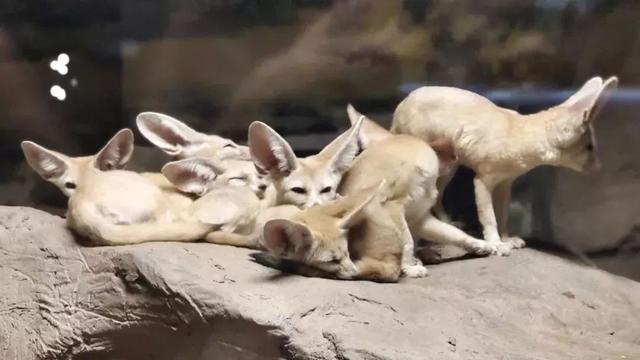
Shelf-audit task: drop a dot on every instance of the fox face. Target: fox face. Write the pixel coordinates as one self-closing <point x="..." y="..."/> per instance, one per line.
<point x="318" y="236"/>
<point x="66" y="172"/>
<point x="572" y="132"/>
<point x="302" y="182"/>
<point x="180" y="141"/>
<point x="200" y="175"/>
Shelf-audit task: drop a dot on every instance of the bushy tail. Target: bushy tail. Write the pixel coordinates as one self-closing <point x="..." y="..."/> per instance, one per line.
<point x="102" y="232"/>
<point x="111" y="234"/>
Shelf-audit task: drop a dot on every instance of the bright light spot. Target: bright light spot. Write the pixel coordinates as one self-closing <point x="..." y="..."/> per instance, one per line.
<point x="60" y="64"/>
<point x="74" y="82"/>
<point x="63" y="58"/>
<point x="58" y="92"/>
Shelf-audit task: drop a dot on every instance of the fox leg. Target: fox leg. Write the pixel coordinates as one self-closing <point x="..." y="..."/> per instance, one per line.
<point x="411" y="266"/>
<point x="377" y="270"/>
<point x="501" y="197"/>
<point x="439" y="231"/>
<point x="225" y="238"/>
<point x="486" y="214"/>
<point x="441" y="184"/>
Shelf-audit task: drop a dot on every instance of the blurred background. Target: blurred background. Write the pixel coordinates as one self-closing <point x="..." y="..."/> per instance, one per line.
<point x="73" y="72"/>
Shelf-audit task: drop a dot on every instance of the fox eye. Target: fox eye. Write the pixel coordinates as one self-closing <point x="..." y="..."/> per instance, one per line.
<point x="590" y="147"/>
<point x="230" y="145"/>
<point x="325" y="190"/>
<point x="335" y="261"/>
<point x="70" y="185"/>
<point x="298" y="190"/>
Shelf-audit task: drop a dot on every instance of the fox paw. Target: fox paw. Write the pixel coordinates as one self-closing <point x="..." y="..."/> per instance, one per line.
<point x="514" y="241"/>
<point x="480" y="247"/>
<point x="499" y="248"/>
<point x="415" y="271"/>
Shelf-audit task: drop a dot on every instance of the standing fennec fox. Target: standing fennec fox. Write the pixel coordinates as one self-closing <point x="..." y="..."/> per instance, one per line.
<point x="501" y="144"/>
<point x="111" y="206"/>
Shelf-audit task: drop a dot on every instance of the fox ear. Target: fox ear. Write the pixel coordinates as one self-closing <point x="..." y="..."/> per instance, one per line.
<point x="591" y="87"/>
<point x="344" y="149"/>
<point x="591" y="97"/>
<point x="370" y="132"/>
<point x="192" y="175"/>
<point x="355" y="206"/>
<point x="287" y="239"/>
<point x="117" y="153"/>
<point x="170" y="135"/>
<point x="48" y="164"/>
<point x="270" y="152"/>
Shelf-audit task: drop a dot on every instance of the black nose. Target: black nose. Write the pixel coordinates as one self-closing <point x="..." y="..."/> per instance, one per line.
<point x="262" y="187"/>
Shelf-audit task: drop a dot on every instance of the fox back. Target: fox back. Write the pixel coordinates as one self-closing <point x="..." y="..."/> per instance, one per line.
<point x="486" y="136"/>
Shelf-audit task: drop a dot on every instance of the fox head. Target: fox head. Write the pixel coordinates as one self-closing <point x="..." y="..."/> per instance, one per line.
<point x="318" y="236"/>
<point x="302" y="182"/>
<point x="200" y="175"/>
<point x="180" y="141"/>
<point x="571" y="128"/>
<point x="66" y="172"/>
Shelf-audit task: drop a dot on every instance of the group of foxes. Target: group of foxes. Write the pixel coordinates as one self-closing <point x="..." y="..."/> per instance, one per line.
<point x="351" y="211"/>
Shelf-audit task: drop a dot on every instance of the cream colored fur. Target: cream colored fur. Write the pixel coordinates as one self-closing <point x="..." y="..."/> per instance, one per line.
<point x="233" y="196"/>
<point x="111" y="206"/>
<point x="303" y="182"/>
<point x="180" y="141"/>
<point x="410" y="168"/>
<point x="350" y="238"/>
<point x="500" y="144"/>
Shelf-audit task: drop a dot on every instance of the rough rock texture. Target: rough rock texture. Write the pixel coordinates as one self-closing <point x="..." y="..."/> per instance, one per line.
<point x="59" y="300"/>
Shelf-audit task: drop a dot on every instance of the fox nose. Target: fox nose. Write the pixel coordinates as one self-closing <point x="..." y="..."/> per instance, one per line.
<point x="262" y="187"/>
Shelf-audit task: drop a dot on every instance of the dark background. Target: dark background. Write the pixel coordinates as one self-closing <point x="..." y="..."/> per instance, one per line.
<point x="218" y="65"/>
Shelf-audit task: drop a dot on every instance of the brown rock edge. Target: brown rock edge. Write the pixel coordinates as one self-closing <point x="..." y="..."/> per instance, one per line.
<point x="61" y="300"/>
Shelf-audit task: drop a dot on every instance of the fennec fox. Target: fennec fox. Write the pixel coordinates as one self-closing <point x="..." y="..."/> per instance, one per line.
<point x="411" y="168"/>
<point x="406" y="170"/>
<point x="108" y="205"/>
<point x="181" y="142"/>
<point x="302" y="182"/>
<point x="232" y="196"/>
<point x="500" y="144"/>
<point x="350" y="238"/>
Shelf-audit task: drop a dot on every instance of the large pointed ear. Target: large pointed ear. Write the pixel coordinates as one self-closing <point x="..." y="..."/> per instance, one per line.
<point x="192" y="175"/>
<point x="371" y="132"/>
<point x="607" y="88"/>
<point x="117" y="153"/>
<point x="355" y="206"/>
<point x="48" y="164"/>
<point x="270" y="152"/>
<point x="591" y="87"/>
<point x="591" y="97"/>
<point x="343" y="150"/>
<point x="170" y="135"/>
<point x="287" y="239"/>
